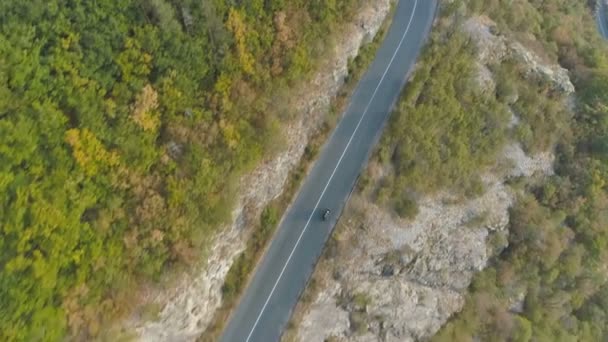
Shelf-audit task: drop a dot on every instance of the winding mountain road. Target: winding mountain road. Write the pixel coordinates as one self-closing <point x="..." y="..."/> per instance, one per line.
<point x="280" y="278"/>
<point x="600" y="17"/>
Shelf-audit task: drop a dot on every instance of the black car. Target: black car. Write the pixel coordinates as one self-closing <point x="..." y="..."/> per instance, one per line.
<point x="326" y="213"/>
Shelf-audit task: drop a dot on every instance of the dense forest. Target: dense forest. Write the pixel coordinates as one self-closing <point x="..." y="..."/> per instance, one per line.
<point x="124" y="127"/>
<point x="550" y="283"/>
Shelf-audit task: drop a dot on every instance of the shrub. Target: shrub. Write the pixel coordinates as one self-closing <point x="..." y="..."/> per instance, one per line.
<point x="406" y="208"/>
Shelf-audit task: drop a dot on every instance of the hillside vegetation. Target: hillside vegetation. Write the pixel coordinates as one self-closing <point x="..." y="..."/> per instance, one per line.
<point x="443" y="129"/>
<point x="124" y="127"/>
<point x="548" y="278"/>
<point x="550" y="283"/>
<point x="447" y="126"/>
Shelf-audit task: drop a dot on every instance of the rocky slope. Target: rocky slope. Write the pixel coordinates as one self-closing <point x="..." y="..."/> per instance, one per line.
<point x="386" y="279"/>
<point x="399" y="280"/>
<point x="188" y="308"/>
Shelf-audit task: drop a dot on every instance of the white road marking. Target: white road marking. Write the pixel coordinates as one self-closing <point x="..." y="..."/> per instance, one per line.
<point x="333" y="173"/>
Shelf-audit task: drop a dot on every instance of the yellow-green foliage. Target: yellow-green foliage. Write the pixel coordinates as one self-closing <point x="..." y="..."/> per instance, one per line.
<point x="124" y="126"/>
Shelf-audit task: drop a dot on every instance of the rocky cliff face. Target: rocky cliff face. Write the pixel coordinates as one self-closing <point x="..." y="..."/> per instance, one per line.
<point x="393" y="280"/>
<point x="386" y="279"/>
<point x="188" y="308"/>
<point x="493" y="48"/>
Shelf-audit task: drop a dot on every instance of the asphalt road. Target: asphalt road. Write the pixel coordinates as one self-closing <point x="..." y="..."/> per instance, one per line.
<point x="282" y="275"/>
<point x="601" y="19"/>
